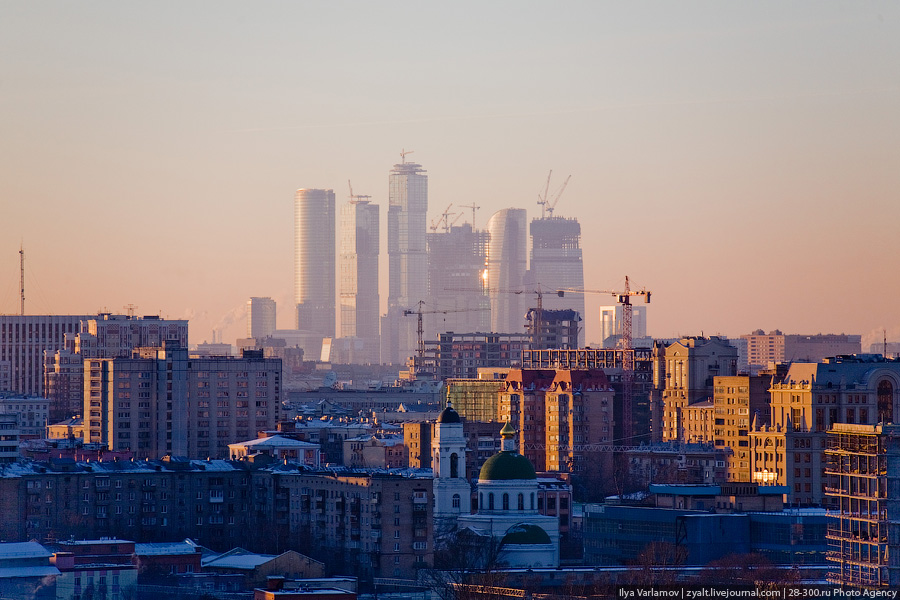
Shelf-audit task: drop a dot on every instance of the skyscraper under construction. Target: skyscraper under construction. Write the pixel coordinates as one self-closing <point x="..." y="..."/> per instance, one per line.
<point x="407" y="258"/>
<point x="556" y="263"/>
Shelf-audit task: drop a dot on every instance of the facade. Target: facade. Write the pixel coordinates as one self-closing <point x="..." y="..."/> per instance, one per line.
<point x="375" y="524"/>
<point x="688" y="369"/>
<point x="556" y="264"/>
<point x="507" y="259"/>
<point x="9" y="438"/>
<point x="314" y="260"/>
<point x="612" y="320"/>
<point x="739" y="401"/>
<point x="862" y="470"/>
<point x="260" y="318"/>
<point x="102" y="336"/>
<point x="475" y="399"/>
<point x="32" y="414"/>
<point x="100" y="568"/>
<point x="456" y="262"/>
<point x="562" y="415"/>
<point x="407" y="259"/>
<point x="777" y="347"/>
<point x="807" y="402"/>
<point x="23" y="342"/>
<point x="359" y="299"/>
<point x="460" y="355"/>
<point x="160" y="402"/>
<point x="553" y="328"/>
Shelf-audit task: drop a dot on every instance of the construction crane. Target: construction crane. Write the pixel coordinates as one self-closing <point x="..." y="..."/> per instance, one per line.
<point x="538" y="313"/>
<point x="354" y="198"/>
<point x="445" y="216"/>
<point x="474" y="208"/>
<point x="624" y="298"/>
<point x="403" y="153"/>
<point x="420" y="330"/>
<point x="548" y="205"/>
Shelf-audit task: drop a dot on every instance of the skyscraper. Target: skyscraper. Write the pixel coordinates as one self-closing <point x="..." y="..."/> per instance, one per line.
<point x="359" y="278"/>
<point x="556" y="263"/>
<point x="314" y="258"/>
<point x="456" y="259"/>
<point x="612" y="319"/>
<point x="407" y="258"/>
<point x="260" y="317"/>
<point x="506" y="264"/>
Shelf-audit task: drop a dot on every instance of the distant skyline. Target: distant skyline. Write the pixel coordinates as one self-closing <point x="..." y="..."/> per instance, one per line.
<point x="738" y="159"/>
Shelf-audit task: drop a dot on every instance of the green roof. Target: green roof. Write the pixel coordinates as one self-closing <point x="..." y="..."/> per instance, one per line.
<point x="507" y="465"/>
<point x="524" y="533"/>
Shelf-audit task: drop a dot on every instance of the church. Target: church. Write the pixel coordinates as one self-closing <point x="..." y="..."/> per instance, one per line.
<point x="507" y="497"/>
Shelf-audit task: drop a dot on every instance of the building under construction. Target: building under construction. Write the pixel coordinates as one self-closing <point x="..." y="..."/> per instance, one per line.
<point x="556" y="263"/>
<point x="862" y="470"/>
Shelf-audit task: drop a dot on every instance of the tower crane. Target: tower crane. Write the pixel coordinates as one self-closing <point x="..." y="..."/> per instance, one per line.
<point x="624" y="298"/>
<point x="474" y="208"/>
<point x="548" y="205"/>
<point x="420" y="330"/>
<point x="404" y="152"/>
<point x="354" y="198"/>
<point x="538" y="313"/>
<point x="444" y="218"/>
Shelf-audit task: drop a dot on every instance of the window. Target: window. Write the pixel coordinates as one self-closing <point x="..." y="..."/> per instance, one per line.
<point x="456" y="500"/>
<point x="491" y="501"/>
<point x="521" y="505"/>
<point x="505" y="501"/>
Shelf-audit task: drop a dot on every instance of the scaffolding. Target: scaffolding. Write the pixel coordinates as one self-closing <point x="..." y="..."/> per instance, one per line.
<point x="862" y="474"/>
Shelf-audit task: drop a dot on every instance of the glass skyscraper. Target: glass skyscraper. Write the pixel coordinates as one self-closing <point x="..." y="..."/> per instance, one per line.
<point x="407" y="259"/>
<point x="359" y="278"/>
<point x="314" y="260"/>
<point x="506" y="265"/>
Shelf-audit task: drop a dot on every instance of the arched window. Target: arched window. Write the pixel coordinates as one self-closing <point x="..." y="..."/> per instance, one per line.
<point x="454" y="465"/>
<point x="521" y="502"/>
<point x="455" y="500"/>
<point x="491" y="501"/>
<point x="885" y="402"/>
<point x="505" y="501"/>
<point x="532" y="500"/>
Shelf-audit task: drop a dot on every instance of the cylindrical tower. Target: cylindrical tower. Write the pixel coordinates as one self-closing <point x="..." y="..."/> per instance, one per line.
<point x="314" y="260"/>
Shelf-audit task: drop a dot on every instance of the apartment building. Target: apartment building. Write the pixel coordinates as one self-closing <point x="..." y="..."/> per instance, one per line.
<point x="559" y="414"/>
<point x="379" y="522"/>
<point x="807" y="402"/>
<point x="738" y="402"/>
<point x="161" y="402"/>
<point x="687" y="373"/>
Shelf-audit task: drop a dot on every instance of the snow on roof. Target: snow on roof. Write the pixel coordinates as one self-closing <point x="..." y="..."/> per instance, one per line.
<point x="164" y="548"/>
<point x="11" y="572"/>
<point x="19" y="550"/>
<point x="237" y="558"/>
<point x="276" y="441"/>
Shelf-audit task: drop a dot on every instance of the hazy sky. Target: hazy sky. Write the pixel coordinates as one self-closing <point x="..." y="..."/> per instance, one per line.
<point x="739" y="159"/>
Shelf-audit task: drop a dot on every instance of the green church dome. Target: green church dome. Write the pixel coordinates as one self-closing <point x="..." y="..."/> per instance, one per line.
<point x="524" y="533"/>
<point x="507" y="465"/>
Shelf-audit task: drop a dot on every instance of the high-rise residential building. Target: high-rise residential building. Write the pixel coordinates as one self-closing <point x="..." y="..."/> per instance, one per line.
<point x="314" y="260"/>
<point x="506" y="266"/>
<point x="559" y="414"/>
<point x="407" y="259"/>
<point x="359" y="299"/>
<point x="556" y="264"/>
<point x="456" y="263"/>
<point x="102" y="336"/>
<point x="23" y="341"/>
<point x="161" y="402"/>
<point x="260" y="318"/>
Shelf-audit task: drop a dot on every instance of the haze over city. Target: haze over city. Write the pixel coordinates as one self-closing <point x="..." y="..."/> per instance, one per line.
<point x="739" y="159"/>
